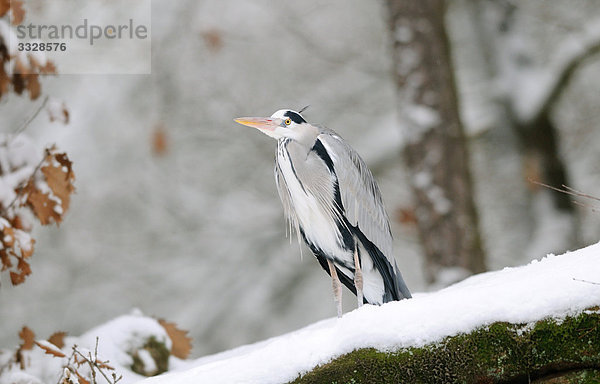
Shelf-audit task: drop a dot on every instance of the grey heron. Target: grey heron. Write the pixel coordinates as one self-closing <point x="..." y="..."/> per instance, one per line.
<point x="333" y="203"/>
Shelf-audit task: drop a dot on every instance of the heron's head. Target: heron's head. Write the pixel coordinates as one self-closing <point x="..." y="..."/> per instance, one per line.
<point x="283" y="123"/>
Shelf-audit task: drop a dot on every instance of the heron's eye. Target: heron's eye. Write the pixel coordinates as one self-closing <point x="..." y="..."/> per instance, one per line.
<point x="288" y="121"/>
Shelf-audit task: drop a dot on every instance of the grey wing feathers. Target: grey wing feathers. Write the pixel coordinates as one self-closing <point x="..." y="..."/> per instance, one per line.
<point x="359" y="192"/>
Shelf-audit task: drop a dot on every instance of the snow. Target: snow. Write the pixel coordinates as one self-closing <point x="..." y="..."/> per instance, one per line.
<point x="555" y="286"/>
<point x="8" y="35"/>
<point x="18" y="158"/>
<point x="551" y="287"/>
<point x="118" y="340"/>
<point x="120" y="337"/>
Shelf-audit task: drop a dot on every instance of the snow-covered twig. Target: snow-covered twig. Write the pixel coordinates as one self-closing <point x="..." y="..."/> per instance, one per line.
<point x="586" y="281"/>
<point x="66" y="368"/>
<point x="6" y="210"/>
<point x="95" y="365"/>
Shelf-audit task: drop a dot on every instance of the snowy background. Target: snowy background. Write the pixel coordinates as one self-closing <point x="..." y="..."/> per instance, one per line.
<point x="197" y="236"/>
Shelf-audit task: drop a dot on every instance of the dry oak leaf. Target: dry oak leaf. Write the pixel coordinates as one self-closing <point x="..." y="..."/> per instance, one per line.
<point x="48" y="69"/>
<point x="17" y="223"/>
<point x="4" y="7"/>
<point x="60" y="182"/>
<point x="24" y="267"/>
<point x="182" y="344"/>
<point x="104" y="365"/>
<point x="41" y="205"/>
<point x="18" y="13"/>
<point x="50" y="348"/>
<point x="159" y="140"/>
<point x="28" y="337"/>
<point x="17" y="278"/>
<point x="82" y="380"/>
<point x="59" y="178"/>
<point x="5" y="260"/>
<point x="4" y="79"/>
<point x="58" y="339"/>
<point x="8" y="237"/>
<point x="36" y="66"/>
<point x="26" y="252"/>
<point x="33" y="86"/>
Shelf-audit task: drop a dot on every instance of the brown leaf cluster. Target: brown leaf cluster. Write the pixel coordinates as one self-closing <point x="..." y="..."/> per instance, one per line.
<point x="182" y="343"/>
<point x="93" y="366"/>
<point x="52" y="346"/>
<point x="47" y="194"/>
<point x="28" y="338"/>
<point x="15" y="251"/>
<point x="15" y="7"/>
<point x="50" y="349"/>
<point x="19" y="72"/>
<point x="58" y="173"/>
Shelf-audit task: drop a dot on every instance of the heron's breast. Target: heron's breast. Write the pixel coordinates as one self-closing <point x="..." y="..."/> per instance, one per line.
<point x="310" y="197"/>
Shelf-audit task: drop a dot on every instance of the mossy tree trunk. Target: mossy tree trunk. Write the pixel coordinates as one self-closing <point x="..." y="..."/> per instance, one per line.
<point x="549" y="351"/>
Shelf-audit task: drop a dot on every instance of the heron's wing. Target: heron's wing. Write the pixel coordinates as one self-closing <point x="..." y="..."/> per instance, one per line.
<point x="359" y="192"/>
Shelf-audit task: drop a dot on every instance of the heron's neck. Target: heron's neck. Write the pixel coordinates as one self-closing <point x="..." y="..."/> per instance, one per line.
<point x="305" y="137"/>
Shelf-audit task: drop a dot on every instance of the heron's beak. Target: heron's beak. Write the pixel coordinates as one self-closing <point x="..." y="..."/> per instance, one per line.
<point x="262" y="123"/>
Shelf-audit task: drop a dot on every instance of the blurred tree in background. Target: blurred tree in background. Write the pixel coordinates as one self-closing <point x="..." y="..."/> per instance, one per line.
<point x="435" y="152"/>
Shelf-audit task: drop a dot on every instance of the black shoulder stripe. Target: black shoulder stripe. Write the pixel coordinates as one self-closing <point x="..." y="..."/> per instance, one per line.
<point x="322" y="153"/>
<point x="295" y="117"/>
<point x="320" y="150"/>
<point x="392" y="290"/>
<point x="284" y="145"/>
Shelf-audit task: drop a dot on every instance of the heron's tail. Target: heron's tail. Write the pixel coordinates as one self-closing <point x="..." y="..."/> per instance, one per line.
<point x="404" y="293"/>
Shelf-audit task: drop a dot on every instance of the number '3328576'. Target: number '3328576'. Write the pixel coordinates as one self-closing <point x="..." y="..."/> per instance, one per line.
<point x="42" y="47"/>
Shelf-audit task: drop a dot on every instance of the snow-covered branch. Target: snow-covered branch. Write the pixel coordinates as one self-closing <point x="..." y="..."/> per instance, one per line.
<point x="537" y="89"/>
<point x="539" y="321"/>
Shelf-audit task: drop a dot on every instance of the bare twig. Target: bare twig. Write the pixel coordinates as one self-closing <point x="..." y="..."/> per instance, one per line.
<point x="31" y="118"/>
<point x="586" y="281"/>
<point x="577" y="193"/>
<point x="569" y="191"/>
<point x="95" y="365"/>
<point x="66" y="366"/>
<point x="593" y="208"/>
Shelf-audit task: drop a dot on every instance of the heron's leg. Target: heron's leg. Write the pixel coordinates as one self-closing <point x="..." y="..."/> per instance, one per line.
<point x="358" y="278"/>
<point x="337" y="287"/>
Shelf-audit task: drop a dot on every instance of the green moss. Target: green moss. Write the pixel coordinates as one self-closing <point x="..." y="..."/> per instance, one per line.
<point x="160" y="354"/>
<point x="586" y="376"/>
<point x="501" y="352"/>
